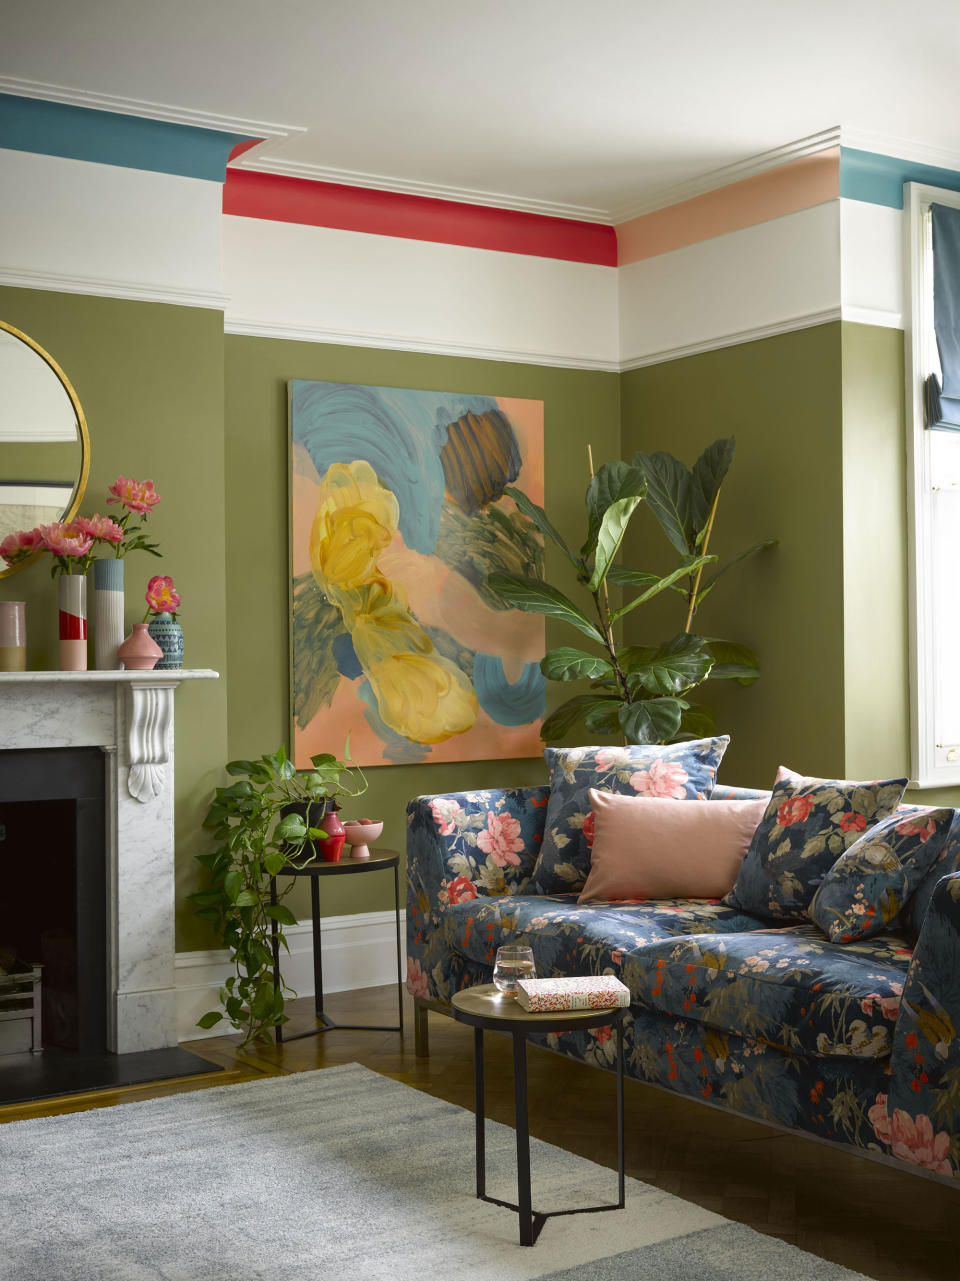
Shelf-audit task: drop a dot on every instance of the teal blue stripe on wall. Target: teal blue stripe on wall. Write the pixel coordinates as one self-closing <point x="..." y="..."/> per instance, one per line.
<point x="878" y="180"/>
<point x="82" y="133"/>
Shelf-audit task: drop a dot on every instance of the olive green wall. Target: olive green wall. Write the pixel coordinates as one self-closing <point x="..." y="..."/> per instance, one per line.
<point x="150" y="380"/>
<point x="781" y="398"/>
<point x="578" y="407"/>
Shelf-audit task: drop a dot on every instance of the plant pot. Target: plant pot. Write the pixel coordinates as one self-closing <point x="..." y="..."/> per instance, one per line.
<point x="139" y="652"/>
<point x="72" y="601"/>
<point x="168" y="634"/>
<point x="108" y="629"/>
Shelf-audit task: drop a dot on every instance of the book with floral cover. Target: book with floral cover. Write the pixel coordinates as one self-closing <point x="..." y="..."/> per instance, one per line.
<point x="593" y="992"/>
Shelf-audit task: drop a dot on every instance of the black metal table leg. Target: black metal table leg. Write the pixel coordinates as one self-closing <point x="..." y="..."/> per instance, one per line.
<point x="478" y="1107"/>
<point x="620" y="1155"/>
<point x="317" y="952"/>
<point x="275" y="944"/>
<point x="522" y="1121"/>
<point x="396" y="905"/>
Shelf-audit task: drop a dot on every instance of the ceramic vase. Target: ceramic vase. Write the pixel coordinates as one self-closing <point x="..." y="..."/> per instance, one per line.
<point x="139" y="652"/>
<point x="13" y="636"/>
<point x="72" y="593"/>
<point x="168" y="634"/>
<point x="107" y="613"/>
<point x="331" y="847"/>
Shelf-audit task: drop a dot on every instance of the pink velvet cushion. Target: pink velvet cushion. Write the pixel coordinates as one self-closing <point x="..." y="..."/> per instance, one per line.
<point x="657" y="847"/>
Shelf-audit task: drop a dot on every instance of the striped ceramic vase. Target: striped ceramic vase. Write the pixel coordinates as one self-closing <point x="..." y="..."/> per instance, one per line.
<point x="72" y="594"/>
<point x="108" y="630"/>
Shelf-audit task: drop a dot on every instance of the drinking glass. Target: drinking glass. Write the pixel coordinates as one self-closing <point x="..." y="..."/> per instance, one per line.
<point x="512" y="964"/>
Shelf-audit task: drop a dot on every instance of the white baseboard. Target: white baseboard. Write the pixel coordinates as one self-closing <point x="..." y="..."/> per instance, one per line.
<point x="359" y="950"/>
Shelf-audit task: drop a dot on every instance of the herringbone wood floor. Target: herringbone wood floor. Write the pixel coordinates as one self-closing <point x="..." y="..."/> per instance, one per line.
<point x="876" y="1220"/>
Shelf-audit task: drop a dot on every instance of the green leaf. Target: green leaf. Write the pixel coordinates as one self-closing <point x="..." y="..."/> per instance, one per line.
<point x="274" y="862"/>
<point x="280" y="913"/>
<point x="246" y="898"/>
<point x="537" y="597"/>
<point x="240" y="767"/>
<point x="756" y="547"/>
<point x="210" y="1019"/>
<point x="567" y="715"/>
<point x="697" y="721"/>
<point x="653" y="720"/>
<point x="613" y="481"/>
<point x="603" y="717"/>
<point x="612" y="529"/>
<point x="732" y="662"/>
<point x="676" y="666"/>
<point x="233" y="884"/>
<point x="291" y="828"/>
<point x="633" y="657"/>
<point x="567" y="664"/>
<point x="542" y="522"/>
<point x="669" y="496"/>
<point x="661" y="584"/>
<point x="706" y="478"/>
<point x="620" y="576"/>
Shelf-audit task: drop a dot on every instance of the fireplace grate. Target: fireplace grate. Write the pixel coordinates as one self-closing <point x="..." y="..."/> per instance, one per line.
<point x="19" y="1005"/>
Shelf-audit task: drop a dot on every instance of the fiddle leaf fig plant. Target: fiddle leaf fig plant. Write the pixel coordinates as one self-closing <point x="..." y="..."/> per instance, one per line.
<point x="264" y="824"/>
<point x="639" y="691"/>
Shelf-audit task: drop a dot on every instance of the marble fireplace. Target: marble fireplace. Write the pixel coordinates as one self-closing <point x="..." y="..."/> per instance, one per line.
<point x="129" y="717"/>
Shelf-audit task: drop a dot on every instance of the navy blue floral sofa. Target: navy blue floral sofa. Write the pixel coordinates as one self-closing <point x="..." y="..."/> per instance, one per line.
<point x="855" y="1043"/>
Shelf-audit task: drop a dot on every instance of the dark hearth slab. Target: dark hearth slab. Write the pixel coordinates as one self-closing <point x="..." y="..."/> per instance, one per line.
<point x="25" y="1077"/>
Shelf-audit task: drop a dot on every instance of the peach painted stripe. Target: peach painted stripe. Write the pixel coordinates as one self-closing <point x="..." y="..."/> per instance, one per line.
<point x="811" y="180"/>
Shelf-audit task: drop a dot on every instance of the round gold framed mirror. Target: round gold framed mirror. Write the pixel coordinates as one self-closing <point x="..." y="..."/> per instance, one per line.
<point x="44" y="442"/>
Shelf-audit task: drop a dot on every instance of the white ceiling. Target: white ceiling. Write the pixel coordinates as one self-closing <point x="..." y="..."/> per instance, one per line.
<point x="589" y="107"/>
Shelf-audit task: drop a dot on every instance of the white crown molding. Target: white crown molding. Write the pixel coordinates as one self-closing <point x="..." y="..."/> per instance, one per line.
<point x="872" y="316"/>
<point x="397" y="342"/>
<point x="103" y="287"/>
<point x="726" y="174"/>
<point x="359" y="950"/>
<point x="902" y="148"/>
<point x="260" y="160"/>
<point x="150" y="110"/>
<point x="808" y="321"/>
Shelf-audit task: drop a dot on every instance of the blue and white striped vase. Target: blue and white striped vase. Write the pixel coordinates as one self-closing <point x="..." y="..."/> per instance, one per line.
<point x="166" y="631"/>
<point x="108" y="628"/>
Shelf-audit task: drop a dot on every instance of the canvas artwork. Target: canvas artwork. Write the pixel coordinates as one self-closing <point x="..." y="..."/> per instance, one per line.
<point x="398" y="514"/>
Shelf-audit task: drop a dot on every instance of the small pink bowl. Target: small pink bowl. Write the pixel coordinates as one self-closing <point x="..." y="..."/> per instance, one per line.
<point x="358" y="834"/>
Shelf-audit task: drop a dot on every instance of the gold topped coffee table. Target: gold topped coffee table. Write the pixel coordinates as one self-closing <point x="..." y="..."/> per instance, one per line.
<point x="486" y="1008"/>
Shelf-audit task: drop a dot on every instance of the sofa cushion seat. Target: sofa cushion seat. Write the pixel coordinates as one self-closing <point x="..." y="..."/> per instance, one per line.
<point x="788" y="987"/>
<point x="572" y="938"/>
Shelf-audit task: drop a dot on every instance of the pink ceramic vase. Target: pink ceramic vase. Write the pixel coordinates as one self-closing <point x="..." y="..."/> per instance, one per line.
<point x="139" y="652"/>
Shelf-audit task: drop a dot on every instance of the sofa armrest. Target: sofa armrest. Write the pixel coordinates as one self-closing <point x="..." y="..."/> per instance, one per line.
<point x="922" y="1121"/>
<point x="463" y="845"/>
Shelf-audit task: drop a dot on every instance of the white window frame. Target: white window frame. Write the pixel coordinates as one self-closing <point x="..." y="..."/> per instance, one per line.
<point x="932" y="764"/>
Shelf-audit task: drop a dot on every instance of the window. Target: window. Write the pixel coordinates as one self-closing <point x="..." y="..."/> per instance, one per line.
<point x="933" y="461"/>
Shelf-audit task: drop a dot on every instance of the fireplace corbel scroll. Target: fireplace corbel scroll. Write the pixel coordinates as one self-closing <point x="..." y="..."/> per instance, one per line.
<point x="151" y="711"/>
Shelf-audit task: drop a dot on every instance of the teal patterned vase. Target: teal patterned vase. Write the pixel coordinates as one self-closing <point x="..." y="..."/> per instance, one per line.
<point x="166" y="631"/>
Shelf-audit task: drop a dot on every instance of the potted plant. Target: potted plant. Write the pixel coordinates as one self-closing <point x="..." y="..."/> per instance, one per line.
<point x="639" y="691"/>
<point x="263" y="823"/>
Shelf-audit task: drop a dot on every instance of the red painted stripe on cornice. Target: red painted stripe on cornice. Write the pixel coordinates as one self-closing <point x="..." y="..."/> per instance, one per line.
<point x="241" y="147"/>
<point x="250" y="194"/>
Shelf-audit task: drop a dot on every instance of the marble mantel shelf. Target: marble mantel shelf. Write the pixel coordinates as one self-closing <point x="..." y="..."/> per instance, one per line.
<point x="174" y="675"/>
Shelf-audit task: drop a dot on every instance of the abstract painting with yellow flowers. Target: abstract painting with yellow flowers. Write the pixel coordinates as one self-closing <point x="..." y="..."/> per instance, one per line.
<point x="398" y="514"/>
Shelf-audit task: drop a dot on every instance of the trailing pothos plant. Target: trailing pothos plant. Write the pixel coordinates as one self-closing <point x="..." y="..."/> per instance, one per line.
<point x="263" y="825"/>
<point x="640" y="691"/>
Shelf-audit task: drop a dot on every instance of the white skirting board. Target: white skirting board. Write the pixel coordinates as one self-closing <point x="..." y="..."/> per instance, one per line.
<point x="359" y="950"/>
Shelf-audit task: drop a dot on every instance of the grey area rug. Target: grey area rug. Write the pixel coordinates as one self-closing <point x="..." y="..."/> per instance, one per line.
<point x="340" y="1173"/>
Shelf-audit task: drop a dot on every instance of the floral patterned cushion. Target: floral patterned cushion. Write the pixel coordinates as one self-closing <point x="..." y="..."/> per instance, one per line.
<point x="808" y="824"/>
<point x="679" y="770"/>
<point x="946" y="864"/>
<point x="868" y="885"/>
<point x="787" y="987"/>
<point x="572" y="938"/>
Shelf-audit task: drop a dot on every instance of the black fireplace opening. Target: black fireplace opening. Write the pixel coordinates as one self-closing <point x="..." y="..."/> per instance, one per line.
<point x="54" y="893"/>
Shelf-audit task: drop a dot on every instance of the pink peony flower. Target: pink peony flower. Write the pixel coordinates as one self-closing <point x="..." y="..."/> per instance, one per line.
<point x="501" y="839"/>
<point x="138" y="495"/>
<point x="795" y="810"/>
<point x="887" y="1007"/>
<point x="100" y="528"/>
<point x="922" y="827"/>
<point x="880" y="1120"/>
<point x="65" y="540"/>
<point x="913" y="1140"/>
<point x="16" y="547"/>
<point x="417" y="982"/>
<point x="589" y="824"/>
<point x="445" y="814"/>
<point x="162" y="596"/>
<point x="461" y="890"/>
<point x="662" y="778"/>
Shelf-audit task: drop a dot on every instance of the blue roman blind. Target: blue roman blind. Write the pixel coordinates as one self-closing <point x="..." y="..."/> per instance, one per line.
<point x="942" y="400"/>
